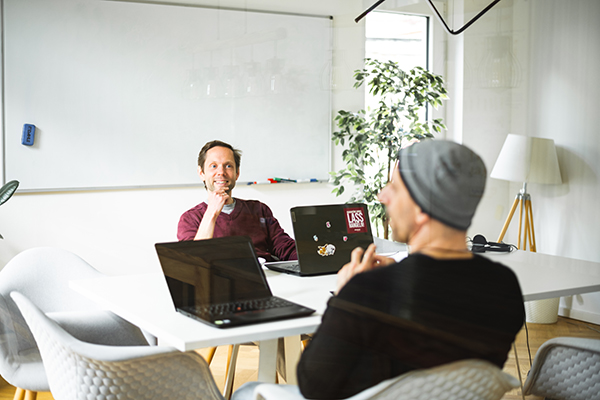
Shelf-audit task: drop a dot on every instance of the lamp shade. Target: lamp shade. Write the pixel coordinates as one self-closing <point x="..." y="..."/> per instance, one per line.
<point x="527" y="159"/>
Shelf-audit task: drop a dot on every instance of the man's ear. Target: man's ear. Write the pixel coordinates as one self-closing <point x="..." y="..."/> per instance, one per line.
<point x="422" y="218"/>
<point x="200" y="172"/>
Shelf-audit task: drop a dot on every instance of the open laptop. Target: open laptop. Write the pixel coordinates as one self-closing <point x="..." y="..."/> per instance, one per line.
<point x="325" y="237"/>
<point x="220" y="282"/>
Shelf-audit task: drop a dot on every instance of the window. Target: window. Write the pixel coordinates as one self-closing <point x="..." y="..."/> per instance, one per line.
<point x="398" y="37"/>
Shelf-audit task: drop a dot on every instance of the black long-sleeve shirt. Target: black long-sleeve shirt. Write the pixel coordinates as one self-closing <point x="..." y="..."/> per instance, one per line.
<point x="418" y="313"/>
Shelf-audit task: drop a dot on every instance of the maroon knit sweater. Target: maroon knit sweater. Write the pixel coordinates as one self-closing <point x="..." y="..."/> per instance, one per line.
<point x="249" y="218"/>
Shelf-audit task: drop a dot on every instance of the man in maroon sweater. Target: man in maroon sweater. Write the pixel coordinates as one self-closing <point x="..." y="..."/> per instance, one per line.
<point x="223" y="215"/>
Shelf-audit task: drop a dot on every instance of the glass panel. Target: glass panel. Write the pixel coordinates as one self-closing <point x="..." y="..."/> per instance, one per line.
<point x="397" y="37"/>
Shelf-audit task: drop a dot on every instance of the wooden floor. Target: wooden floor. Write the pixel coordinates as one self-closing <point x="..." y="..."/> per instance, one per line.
<point x="538" y="333"/>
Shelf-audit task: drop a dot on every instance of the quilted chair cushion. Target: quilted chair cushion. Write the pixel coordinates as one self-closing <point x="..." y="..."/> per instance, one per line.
<point x="82" y="371"/>
<point x="460" y="380"/>
<point x="172" y="375"/>
<point x="566" y="369"/>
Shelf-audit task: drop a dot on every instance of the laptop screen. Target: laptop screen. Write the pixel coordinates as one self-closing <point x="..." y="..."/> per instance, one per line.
<point x="206" y="272"/>
<point x="326" y="235"/>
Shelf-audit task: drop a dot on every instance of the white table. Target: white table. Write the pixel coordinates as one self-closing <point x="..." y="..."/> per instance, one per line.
<point x="543" y="276"/>
<point x="144" y="301"/>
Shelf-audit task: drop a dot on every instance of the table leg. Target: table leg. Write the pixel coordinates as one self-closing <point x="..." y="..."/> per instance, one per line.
<point x="293" y="351"/>
<point x="267" y="360"/>
<point x="231" y="362"/>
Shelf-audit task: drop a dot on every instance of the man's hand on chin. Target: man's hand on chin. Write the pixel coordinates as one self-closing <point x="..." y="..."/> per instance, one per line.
<point x="216" y="200"/>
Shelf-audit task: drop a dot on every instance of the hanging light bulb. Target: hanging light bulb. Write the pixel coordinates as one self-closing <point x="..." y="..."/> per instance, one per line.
<point x="499" y="68"/>
<point x="231" y="81"/>
<point x="192" y="85"/>
<point x="211" y="82"/>
<point x="274" y="68"/>
<point x="253" y="85"/>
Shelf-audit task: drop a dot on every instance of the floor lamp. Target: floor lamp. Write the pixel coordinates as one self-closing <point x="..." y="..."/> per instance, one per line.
<point x="528" y="160"/>
<point x="523" y="201"/>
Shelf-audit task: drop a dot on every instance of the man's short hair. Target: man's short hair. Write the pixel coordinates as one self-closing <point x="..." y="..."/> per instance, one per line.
<point x="237" y="154"/>
<point x="445" y="179"/>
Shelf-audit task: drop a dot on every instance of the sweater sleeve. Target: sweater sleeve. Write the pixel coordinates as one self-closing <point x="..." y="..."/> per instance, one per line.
<point x="282" y="245"/>
<point x="189" y="223"/>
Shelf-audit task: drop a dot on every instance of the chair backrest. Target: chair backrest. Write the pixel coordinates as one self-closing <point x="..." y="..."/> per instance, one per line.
<point x="566" y="368"/>
<point x="461" y="380"/>
<point x="41" y="274"/>
<point x="389" y="246"/>
<point x="82" y="371"/>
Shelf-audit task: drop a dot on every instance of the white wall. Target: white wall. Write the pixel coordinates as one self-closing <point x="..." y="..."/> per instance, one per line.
<point x="556" y="50"/>
<point x="563" y="105"/>
<point x="556" y="45"/>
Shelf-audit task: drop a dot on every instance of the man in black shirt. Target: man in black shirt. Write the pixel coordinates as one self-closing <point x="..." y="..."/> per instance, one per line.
<point x="440" y="304"/>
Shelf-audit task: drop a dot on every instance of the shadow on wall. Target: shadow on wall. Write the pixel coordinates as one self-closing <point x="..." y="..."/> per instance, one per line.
<point x="566" y="214"/>
<point x="574" y="170"/>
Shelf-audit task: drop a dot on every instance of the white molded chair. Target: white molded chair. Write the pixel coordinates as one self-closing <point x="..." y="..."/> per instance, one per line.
<point x="460" y="380"/>
<point x="43" y="275"/>
<point x="566" y="368"/>
<point x="386" y="246"/>
<point x="83" y="371"/>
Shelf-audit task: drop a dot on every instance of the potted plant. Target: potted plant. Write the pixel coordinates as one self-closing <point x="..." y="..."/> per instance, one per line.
<point x="7" y="191"/>
<point x="373" y="137"/>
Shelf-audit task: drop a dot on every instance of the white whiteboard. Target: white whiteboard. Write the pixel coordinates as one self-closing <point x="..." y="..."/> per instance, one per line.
<point x="125" y="94"/>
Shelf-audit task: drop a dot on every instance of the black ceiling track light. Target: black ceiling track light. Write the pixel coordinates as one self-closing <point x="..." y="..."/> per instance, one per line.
<point x="439" y="15"/>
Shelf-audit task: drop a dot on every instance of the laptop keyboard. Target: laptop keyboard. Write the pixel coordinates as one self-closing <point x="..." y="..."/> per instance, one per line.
<point x="244" y="306"/>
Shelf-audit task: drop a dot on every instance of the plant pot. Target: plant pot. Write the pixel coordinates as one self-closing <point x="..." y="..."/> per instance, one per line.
<point x="542" y="311"/>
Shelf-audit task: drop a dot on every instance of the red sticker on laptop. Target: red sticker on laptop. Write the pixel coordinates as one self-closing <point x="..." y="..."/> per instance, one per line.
<point x="355" y="220"/>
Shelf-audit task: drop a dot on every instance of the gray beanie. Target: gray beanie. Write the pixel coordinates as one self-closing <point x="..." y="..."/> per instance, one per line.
<point x="445" y="179"/>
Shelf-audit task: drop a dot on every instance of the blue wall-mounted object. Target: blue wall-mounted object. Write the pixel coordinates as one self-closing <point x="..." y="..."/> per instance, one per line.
<point x="28" y="135"/>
